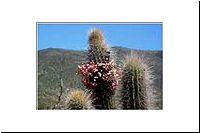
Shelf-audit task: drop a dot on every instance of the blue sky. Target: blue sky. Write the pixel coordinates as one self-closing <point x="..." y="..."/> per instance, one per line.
<point x="74" y="36"/>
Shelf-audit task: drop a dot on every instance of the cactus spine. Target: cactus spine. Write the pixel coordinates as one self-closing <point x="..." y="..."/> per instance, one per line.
<point x="136" y="83"/>
<point x="100" y="74"/>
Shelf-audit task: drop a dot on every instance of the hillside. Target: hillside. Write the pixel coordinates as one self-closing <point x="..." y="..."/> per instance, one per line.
<point x="55" y="63"/>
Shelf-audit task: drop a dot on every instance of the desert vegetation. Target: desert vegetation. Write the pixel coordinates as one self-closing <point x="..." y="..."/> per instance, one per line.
<point x="102" y="79"/>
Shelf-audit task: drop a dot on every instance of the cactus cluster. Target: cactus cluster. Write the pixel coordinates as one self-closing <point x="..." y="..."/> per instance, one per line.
<point x="101" y="76"/>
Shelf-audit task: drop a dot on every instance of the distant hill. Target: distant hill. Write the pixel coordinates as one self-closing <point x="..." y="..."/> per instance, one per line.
<point x="54" y="63"/>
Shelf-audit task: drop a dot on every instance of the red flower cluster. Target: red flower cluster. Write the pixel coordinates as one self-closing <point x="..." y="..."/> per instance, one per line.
<point x="94" y="74"/>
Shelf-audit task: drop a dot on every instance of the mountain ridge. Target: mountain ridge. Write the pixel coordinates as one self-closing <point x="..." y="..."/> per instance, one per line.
<point x="115" y="47"/>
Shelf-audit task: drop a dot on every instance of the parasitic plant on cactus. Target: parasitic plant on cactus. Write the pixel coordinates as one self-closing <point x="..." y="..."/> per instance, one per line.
<point x="100" y="74"/>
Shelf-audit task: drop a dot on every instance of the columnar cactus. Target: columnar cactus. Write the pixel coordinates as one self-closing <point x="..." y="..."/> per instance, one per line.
<point x="136" y="83"/>
<point x="98" y="50"/>
<point x="100" y="74"/>
<point x="78" y="99"/>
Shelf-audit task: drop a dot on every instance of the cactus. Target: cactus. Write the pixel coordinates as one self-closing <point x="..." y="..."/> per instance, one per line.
<point x="78" y="99"/>
<point x="98" y="49"/>
<point x="96" y="36"/>
<point x="100" y="74"/>
<point x="136" y="84"/>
